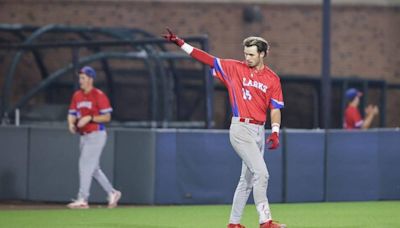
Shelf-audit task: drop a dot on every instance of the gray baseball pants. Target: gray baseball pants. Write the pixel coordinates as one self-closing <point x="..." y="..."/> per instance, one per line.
<point x="248" y="140"/>
<point x="91" y="147"/>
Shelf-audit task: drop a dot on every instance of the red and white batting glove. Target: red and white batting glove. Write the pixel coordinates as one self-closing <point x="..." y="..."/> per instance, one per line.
<point x="197" y="54"/>
<point x="173" y="38"/>
<point x="273" y="140"/>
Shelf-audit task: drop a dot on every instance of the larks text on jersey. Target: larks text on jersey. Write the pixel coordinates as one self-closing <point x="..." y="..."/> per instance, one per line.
<point x="84" y="104"/>
<point x="256" y="84"/>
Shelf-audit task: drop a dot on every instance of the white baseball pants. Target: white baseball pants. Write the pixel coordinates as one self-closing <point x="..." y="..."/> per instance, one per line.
<point x="248" y="140"/>
<point x="91" y="147"/>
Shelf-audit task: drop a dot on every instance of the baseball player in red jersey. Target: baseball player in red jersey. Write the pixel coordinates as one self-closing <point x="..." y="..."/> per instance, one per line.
<point x="253" y="89"/>
<point x="89" y="110"/>
<point x="352" y="116"/>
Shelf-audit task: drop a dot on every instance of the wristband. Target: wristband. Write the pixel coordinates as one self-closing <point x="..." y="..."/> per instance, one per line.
<point x="187" y="48"/>
<point x="275" y="127"/>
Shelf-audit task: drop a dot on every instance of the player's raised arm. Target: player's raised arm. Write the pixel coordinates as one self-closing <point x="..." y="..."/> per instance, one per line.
<point x="196" y="53"/>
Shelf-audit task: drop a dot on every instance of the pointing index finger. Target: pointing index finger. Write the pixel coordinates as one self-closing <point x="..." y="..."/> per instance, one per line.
<point x="169" y="31"/>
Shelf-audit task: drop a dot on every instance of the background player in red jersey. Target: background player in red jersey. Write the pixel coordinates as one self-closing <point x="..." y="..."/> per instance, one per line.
<point x="253" y="89"/>
<point x="352" y="116"/>
<point x="89" y="110"/>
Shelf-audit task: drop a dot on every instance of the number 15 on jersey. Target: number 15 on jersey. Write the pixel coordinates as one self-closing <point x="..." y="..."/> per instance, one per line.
<point x="246" y="94"/>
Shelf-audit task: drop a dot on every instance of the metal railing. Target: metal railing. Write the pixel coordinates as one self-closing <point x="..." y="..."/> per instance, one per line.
<point x="148" y="49"/>
<point x="160" y="66"/>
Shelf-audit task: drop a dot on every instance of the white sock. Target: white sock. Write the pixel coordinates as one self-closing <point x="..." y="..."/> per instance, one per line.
<point x="264" y="212"/>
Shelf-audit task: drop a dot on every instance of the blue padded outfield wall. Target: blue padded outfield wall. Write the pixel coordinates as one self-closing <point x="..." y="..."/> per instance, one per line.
<point x="304" y="165"/>
<point x="13" y="162"/>
<point x="352" y="166"/>
<point x="41" y="164"/>
<point x="200" y="167"/>
<point x="389" y="157"/>
<point x="177" y="166"/>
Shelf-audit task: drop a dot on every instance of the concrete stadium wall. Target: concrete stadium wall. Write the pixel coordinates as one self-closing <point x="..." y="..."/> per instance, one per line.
<point x="200" y="167"/>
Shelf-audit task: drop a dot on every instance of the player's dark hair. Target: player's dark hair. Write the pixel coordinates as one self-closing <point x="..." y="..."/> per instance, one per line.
<point x="260" y="43"/>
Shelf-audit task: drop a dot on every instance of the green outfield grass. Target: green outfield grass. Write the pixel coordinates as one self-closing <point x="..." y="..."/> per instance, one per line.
<point x="311" y="215"/>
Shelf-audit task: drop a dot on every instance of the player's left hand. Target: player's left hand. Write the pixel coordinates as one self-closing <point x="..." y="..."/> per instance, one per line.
<point x="273" y="140"/>
<point x="84" y="120"/>
<point x="72" y="128"/>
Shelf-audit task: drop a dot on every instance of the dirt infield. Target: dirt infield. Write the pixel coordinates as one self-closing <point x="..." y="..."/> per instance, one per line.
<point x="35" y="205"/>
<point x="29" y="205"/>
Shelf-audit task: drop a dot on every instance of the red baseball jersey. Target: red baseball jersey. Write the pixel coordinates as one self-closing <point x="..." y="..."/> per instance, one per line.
<point x="352" y="118"/>
<point x="93" y="103"/>
<point x="251" y="91"/>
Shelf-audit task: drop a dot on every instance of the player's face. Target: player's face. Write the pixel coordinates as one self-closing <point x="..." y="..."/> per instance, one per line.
<point x="252" y="57"/>
<point x="357" y="100"/>
<point x="85" y="82"/>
